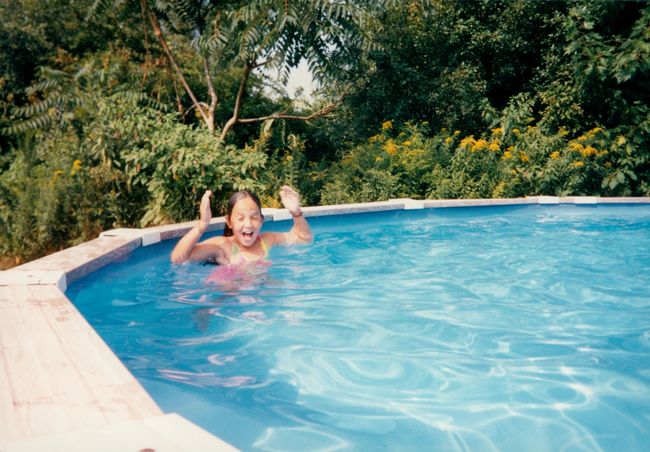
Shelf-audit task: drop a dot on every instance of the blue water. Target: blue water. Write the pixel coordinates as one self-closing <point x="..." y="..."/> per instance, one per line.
<point x="500" y="328"/>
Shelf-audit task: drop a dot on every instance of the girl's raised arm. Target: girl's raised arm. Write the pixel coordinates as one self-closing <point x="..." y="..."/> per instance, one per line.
<point x="300" y="232"/>
<point x="187" y="248"/>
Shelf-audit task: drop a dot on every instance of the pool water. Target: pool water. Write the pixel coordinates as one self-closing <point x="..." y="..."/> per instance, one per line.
<point x="493" y="328"/>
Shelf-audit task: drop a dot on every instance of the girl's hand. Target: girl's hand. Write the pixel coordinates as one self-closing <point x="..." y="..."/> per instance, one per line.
<point x="205" y="211"/>
<point x="290" y="199"/>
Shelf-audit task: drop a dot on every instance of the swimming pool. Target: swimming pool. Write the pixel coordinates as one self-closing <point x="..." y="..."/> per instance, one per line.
<point x="492" y="328"/>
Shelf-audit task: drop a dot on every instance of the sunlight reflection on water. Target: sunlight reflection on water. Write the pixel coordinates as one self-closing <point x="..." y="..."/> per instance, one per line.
<point x="497" y="329"/>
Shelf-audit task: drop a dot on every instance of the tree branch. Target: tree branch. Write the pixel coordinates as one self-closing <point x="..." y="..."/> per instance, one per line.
<point x="214" y="99"/>
<point x="161" y="39"/>
<point x="322" y="113"/>
<point x="238" y="102"/>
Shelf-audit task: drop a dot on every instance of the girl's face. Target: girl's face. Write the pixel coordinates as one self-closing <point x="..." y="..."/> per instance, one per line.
<point x="245" y="221"/>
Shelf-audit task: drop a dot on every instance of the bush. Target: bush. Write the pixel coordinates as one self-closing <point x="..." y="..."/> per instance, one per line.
<point x="129" y="166"/>
<point x="49" y="199"/>
<point x="515" y="159"/>
<point x="391" y="164"/>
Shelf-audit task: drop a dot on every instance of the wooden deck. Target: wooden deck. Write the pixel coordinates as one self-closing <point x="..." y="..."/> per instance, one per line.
<point x="57" y="373"/>
<point x="61" y="387"/>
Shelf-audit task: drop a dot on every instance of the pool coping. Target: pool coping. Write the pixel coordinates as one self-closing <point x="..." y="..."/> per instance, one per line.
<point x="109" y="410"/>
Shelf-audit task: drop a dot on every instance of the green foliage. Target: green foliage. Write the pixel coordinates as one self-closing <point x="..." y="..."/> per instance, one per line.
<point x="49" y="199"/>
<point x="391" y="164"/>
<point x="288" y="165"/>
<point x="599" y="68"/>
<point x="514" y="160"/>
<point x="449" y="62"/>
<point x="242" y="36"/>
<point x="116" y="162"/>
<point x="177" y="163"/>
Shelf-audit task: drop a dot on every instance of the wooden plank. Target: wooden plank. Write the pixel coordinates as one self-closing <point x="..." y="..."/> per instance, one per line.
<point x="168" y="433"/>
<point x="57" y="374"/>
<point x="41" y="379"/>
<point x="115" y="391"/>
<point x="7" y="417"/>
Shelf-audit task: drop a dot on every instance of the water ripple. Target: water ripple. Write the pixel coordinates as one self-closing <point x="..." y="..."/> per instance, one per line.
<point x="501" y="329"/>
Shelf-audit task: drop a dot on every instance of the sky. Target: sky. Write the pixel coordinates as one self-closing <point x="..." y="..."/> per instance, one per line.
<point x="300" y="77"/>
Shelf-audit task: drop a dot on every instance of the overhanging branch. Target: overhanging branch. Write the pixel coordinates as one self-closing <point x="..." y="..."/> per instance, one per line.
<point x="322" y="113"/>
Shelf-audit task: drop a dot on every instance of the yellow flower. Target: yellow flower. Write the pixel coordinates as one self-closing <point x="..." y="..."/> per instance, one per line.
<point x="523" y="157"/>
<point x="387" y="125"/>
<point x="390" y="147"/>
<point x="379" y="159"/>
<point x="516" y="131"/>
<point x="479" y="145"/>
<point x="448" y="140"/>
<point x="407" y="143"/>
<point x="495" y="146"/>
<point x="456" y="132"/>
<point x="576" y="146"/>
<point x="467" y="142"/>
<point x="497" y="131"/>
<point x="507" y="155"/>
<point x="589" y="150"/>
<point x="578" y="164"/>
<point x="583" y="138"/>
<point x="555" y="155"/>
<point x="374" y="138"/>
<point x="76" y="166"/>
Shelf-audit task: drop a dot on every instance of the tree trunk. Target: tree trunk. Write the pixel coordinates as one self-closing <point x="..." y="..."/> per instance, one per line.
<point x="208" y="119"/>
<point x="234" y="119"/>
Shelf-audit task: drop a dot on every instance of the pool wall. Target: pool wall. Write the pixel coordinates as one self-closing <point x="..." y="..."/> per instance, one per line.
<point x="63" y="389"/>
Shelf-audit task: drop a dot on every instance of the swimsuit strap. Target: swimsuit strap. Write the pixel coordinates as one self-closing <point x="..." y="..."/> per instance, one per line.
<point x="265" y="246"/>
<point x="234" y="251"/>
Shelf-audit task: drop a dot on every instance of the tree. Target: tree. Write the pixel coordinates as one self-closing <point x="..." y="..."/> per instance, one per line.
<point x="248" y="35"/>
<point x="56" y="35"/>
<point x="448" y="62"/>
<point x="599" y="72"/>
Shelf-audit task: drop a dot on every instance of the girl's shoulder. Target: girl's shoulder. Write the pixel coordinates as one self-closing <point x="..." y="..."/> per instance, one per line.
<point x="272" y="238"/>
<point x="221" y="241"/>
<point x="221" y="248"/>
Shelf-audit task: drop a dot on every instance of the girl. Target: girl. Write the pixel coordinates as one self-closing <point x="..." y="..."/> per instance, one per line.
<point x="242" y="241"/>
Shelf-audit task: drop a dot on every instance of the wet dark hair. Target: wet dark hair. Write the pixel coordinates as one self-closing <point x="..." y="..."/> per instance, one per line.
<point x="236" y="197"/>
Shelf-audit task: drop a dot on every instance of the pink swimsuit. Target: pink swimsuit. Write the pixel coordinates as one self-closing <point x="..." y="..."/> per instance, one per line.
<point x="240" y="270"/>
